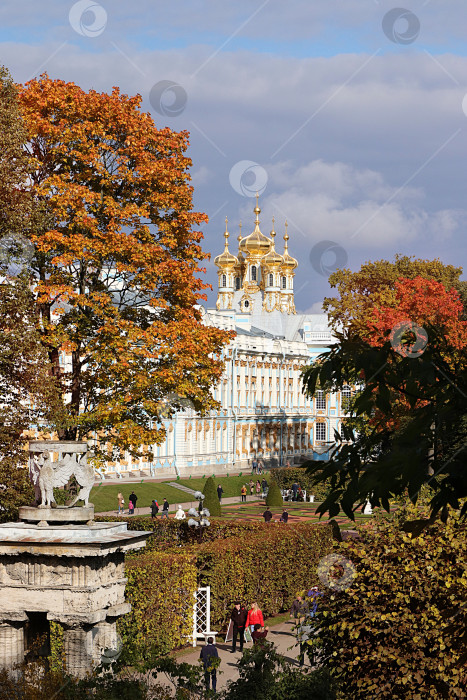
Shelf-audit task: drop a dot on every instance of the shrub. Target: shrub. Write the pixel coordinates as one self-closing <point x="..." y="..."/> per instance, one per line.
<point x="286" y="476"/>
<point x="268" y="566"/>
<point x="274" y="497"/>
<point x="160" y="589"/>
<point x="211" y="500"/>
<point x="399" y="631"/>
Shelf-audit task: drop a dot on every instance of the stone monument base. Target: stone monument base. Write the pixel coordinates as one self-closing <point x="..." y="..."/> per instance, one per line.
<point x="44" y="515"/>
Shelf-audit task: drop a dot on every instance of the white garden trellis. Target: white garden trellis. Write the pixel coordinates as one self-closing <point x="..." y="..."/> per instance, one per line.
<point x="202" y="615"/>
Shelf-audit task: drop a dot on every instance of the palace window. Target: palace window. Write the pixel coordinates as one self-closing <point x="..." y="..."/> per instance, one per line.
<point x="271" y="280"/>
<point x="253" y="273"/>
<point x="320" y="401"/>
<point x="346" y="395"/>
<point x="246" y="304"/>
<point x="237" y="283"/>
<point x="284" y="283"/>
<point x="224" y="281"/>
<point x="321" y="432"/>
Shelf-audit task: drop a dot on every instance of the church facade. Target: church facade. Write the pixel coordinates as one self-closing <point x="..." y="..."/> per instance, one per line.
<point x="262" y="412"/>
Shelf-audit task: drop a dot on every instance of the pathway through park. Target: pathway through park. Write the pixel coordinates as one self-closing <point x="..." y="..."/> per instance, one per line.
<point x="280" y="635"/>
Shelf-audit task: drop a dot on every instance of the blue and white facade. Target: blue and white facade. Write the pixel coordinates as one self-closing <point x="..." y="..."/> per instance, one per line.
<point x="262" y="410"/>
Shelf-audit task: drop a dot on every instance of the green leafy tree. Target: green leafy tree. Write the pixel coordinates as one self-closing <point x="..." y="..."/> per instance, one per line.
<point x="397" y="629"/>
<point x="274" y="497"/>
<point x="211" y="499"/>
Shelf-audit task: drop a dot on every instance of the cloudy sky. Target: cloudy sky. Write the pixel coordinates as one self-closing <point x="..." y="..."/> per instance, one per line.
<point x="349" y="117"/>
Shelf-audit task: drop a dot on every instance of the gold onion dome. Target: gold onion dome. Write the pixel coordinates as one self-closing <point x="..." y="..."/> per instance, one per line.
<point x="272" y="258"/>
<point x="226" y="259"/>
<point x="288" y="261"/>
<point x="256" y="243"/>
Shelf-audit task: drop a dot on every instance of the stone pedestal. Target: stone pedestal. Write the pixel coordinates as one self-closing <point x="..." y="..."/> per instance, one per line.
<point x="64" y="570"/>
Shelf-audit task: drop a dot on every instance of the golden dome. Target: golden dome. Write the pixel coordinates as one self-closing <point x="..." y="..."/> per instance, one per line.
<point x="226" y="259"/>
<point x="288" y="263"/>
<point x="256" y="243"/>
<point x="272" y="258"/>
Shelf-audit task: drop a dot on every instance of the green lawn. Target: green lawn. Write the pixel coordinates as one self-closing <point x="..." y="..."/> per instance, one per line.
<point x="231" y="484"/>
<point x="104" y="496"/>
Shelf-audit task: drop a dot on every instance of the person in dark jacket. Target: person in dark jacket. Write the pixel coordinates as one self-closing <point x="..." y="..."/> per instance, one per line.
<point x="208" y="655"/>
<point x="154" y="508"/>
<point x="238" y="617"/>
<point x="267" y="515"/>
<point x="165" y="509"/>
<point x="220" y="491"/>
<point x="132" y="502"/>
<point x="285" y="516"/>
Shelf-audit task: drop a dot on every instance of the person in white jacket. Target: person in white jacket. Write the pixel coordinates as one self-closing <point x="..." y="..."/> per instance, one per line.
<point x="180" y="514"/>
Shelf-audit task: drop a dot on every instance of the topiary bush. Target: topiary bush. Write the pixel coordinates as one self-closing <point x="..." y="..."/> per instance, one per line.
<point x="399" y="629"/>
<point x="211" y="500"/>
<point x="274" y="497"/>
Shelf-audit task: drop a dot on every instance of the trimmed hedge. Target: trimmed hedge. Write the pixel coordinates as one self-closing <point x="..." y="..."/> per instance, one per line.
<point x="267" y="566"/>
<point x="160" y="589"/>
<point x="285" y="477"/>
<point x="169" y="532"/>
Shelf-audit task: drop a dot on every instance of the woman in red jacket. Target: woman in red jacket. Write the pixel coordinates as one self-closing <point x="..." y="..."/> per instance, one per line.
<point x="255" y="617"/>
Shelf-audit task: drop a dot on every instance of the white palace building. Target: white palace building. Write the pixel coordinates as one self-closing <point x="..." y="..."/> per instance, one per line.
<point x="263" y="411"/>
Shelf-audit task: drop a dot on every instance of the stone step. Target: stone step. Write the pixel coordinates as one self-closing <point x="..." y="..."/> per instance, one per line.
<point x="176" y="485"/>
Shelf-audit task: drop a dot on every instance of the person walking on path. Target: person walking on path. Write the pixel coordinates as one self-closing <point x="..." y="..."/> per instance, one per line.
<point x="299" y="608"/>
<point x="132" y="502"/>
<point x="154" y="509"/>
<point x="121" y="503"/>
<point x="254" y="466"/>
<point x="238" y="617"/>
<point x="209" y="656"/>
<point x="220" y="491"/>
<point x="165" y="509"/>
<point x="264" y="486"/>
<point x="295" y="488"/>
<point x="258" y="488"/>
<point x="255" y="617"/>
<point x="284" y="516"/>
<point x="260" y="466"/>
<point x="267" y="515"/>
<point x="243" y="493"/>
<point x="252" y="487"/>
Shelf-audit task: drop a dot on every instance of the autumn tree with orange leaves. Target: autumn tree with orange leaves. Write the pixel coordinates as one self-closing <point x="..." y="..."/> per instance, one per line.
<point x="117" y="264"/>
<point x="402" y="342"/>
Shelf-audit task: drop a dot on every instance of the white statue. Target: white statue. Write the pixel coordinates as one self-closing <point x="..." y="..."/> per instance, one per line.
<point x="180" y="514"/>
<point x="47" y="475"/>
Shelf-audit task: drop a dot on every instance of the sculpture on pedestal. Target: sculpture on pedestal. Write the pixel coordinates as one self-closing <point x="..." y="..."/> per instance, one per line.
<point x="47" y="475"/>
<point x="58" y="565"/>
